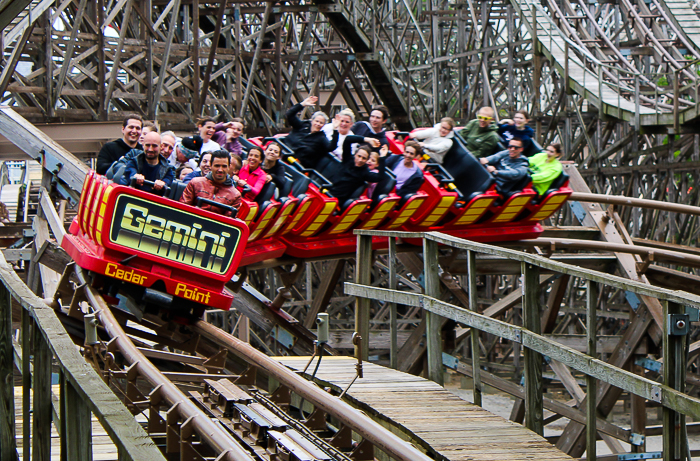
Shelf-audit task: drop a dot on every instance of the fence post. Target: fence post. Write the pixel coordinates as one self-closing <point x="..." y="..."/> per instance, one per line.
<point x="26" y="384"/>
<point x="8" y="446"/>
<point x="474" y="333"/>
<point x="76" y="420"/>
<point x="433" y="325"/>
<point x="393" y="316"/>
<point x="674" y="443"/>
<point x="41" y="385"/>
<point x="363" y="276"/>
<point x="534" y="404"/>
<point x="591" y="397"/>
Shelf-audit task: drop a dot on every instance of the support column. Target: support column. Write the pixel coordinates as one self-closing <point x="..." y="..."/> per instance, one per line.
<point x="8" y="446"/>
<point x="591" y="403"/>
<point x="433" y="324"/>
<point x="534" y="404"/>
<point x="363" y="276"/>
<point x="77" y="421"/>
<point x="474" y="333"/>
<point x="41" y="385"/>
<point x="674" y="443"/>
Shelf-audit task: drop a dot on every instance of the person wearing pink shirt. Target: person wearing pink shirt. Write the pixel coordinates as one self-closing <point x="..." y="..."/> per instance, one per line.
<point x="252" y="173"/>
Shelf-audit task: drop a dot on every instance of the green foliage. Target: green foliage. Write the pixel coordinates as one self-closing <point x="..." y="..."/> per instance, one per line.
<point x="662" y="81"/>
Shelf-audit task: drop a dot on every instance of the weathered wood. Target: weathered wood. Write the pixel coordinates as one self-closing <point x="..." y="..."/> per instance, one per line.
<point x="591" y="403"/>
<point x="611" y="373"/>
<point x="124" y="431"/>
<point x="474" y="307"/>
<point x="8" y="445"/>
<point x="41" y="408"/>
<point x="532" y="359"/>
<point x="78" y="425"/>
<point x="325" y="291"/>
<point x="433" y="325"/>
<point x="363" y="273"/>
<point x="393" y="314"/>
<point x="674" y="437"/>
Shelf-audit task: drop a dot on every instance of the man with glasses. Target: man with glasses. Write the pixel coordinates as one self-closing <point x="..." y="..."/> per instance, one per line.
<point x="481" y="135"/>
<point x="508" y="167"/>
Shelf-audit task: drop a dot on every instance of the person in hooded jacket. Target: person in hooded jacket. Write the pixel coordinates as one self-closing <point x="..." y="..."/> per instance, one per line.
<point x="307" y="139"/>
<point x="436" y="141"/>
<point x="507" y="167"/>
<point x="481" y="134"/>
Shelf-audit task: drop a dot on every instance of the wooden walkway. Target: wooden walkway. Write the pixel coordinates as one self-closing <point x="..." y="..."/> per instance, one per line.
<point x="429" y="416"/>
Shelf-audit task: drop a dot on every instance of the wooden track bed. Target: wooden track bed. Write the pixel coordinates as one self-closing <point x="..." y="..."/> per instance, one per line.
<point x="429" y="415"/>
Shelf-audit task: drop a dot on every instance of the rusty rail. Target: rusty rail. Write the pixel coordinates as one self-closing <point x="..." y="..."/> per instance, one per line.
<point x="208" y="430"/>
<point x="378" y="435"/>
<point x="638" y="202"/>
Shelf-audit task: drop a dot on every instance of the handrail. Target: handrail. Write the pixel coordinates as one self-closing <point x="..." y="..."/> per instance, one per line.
<point x="637" y="202"/>
<point x="622" y="283"/>
<point x="130" y="438"/>
<point x="669" y="393"/>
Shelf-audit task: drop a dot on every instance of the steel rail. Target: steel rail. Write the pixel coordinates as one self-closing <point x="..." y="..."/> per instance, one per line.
<point x="381" y="437"/>
<point x="676" y="257"/>
<point x="209" y="431"/>
<point x="638" y="202"/>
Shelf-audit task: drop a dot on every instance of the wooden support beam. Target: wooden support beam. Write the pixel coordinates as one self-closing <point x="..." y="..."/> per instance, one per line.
<point x="117" y="56"/>
<point x="42" y="407"/>
<point x="77" y="421"/>
<point x="363" y="275"/>
<point x="325" y="291"/>
<point x="591" y="382"/>
<point x="433" y="322"/>
<point x="212" y="54"/>
<point x="256" y="57"/>
<point x="68" y="55"/>
<point x="532" y="360"/>
<point x="474" y="307"/>
<point x="175" y="5"/>
<point x="674" y="434"/>
<point x="8" y="444"/>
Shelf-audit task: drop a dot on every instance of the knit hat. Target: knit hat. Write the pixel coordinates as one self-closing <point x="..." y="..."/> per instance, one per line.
<point x="190" y="146"/>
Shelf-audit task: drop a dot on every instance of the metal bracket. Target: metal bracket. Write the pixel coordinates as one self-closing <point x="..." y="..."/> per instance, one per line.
<point x="678" y="324"/>
<point x="283" y="337"/>
<point x="649" y="364"/>
<point x="632" y="456"/>
<point x="637" y="439"/>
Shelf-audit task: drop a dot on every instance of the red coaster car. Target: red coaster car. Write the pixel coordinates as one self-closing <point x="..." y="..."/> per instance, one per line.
<point x="153" y="249"/>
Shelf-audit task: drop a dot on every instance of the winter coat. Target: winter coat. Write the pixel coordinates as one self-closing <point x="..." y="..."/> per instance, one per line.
<point x="205" y="187"/>
<point x="308" y="147"/>
<point x="135" y="165"/>
<point x="480" y="142"/>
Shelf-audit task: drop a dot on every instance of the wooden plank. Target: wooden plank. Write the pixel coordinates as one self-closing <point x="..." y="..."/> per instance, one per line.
<point x="534" y="405"/>
<point x="363" y="272"/>
<point x="78" y="425"/>
<point x="433" y="323"/>
<point x="41" y="408"/>
<point x="8" y="446"/>
<point x="325" y="291"/>
<point x="126" y="433"/>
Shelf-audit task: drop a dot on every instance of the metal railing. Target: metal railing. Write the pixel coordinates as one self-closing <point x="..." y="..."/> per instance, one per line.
<point x="667" y="393"/>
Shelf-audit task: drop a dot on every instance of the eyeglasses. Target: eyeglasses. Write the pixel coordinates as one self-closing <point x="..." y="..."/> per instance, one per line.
<point x="515" y="147"/>
<point x="484" y="118"/>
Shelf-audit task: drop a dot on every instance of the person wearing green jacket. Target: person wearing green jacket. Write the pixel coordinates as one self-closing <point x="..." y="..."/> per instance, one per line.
<point x="545" y="167"/>
<point x="481" y="134"/>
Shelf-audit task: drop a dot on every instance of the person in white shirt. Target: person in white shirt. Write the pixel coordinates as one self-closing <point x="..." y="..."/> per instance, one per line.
<point x="207" y="128"/>
<point x="345" y="118"/>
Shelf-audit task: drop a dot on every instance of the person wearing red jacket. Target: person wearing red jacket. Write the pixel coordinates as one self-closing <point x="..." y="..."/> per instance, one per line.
<point x="216" y="186"/>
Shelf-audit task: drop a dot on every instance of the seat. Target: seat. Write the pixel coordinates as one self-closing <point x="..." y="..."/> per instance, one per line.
<point x="330" y="167"/>
<point x="266" y="193"/>
<point x="470" y="177"/>
<point x="176" y="190"/>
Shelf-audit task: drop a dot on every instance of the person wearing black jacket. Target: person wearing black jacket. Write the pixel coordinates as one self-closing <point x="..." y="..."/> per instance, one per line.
<point x="374" y="128"/>
<point x="273" y="167"/>
<point x="114" y="150"/>
<point x="355" y="170"/>
<point x="307" y="139"/>
<point x="409" y="176"/>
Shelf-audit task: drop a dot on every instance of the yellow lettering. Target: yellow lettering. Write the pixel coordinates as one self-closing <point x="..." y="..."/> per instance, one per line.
<point x="128" y="219"/>
<point x="154" y="226"/>
<point x="130" y="276"/>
